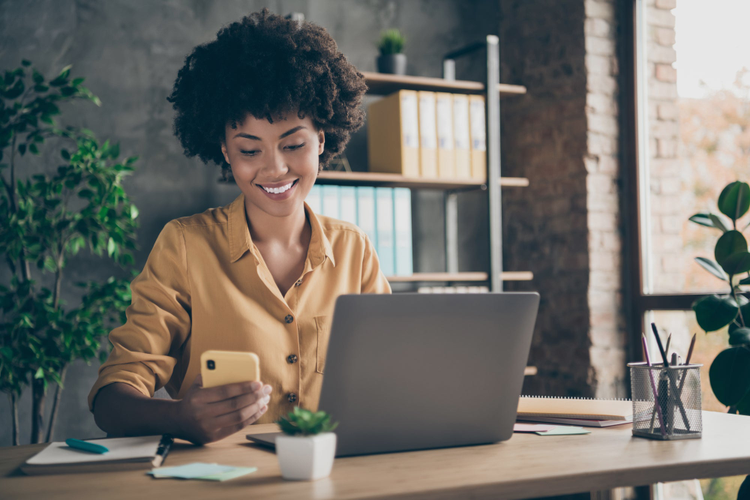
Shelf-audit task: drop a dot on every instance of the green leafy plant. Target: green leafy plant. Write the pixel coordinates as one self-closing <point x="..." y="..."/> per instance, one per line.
<point x="391" y="42"/>
<point x="46" y="219"/>
<point x="730" y="370"/>
<point x="306" y="423"/>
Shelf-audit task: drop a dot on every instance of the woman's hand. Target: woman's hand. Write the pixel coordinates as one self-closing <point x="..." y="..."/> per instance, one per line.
<point x="211" y="414"/>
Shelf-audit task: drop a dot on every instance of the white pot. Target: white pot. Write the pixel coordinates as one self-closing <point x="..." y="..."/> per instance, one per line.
<point x="306" y="457"/>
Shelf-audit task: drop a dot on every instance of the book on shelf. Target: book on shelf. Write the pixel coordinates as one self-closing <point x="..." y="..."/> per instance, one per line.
<point x="348" y="204"/>
<point x="461" y="136"/>
<point x="478" y="130"/>
<point x="314" y="200"/>
<point x="393" y="134"/>
<point x="402" y="231"/>
<point x="384" y="221"/>
<point x="366" y="213"/>
<point x="445" y="153"/>
<point x="330" y="201"/>
<point x="427" y="134"/>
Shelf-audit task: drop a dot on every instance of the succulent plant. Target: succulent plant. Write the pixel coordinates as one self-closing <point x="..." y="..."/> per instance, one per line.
<point x="301" y="422"/>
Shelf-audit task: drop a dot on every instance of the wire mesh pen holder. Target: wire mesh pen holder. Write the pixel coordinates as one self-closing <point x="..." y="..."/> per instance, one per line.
<point x="674" y="410"/>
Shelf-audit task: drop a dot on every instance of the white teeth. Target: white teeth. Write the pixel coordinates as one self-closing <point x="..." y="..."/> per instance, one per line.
<point x="278" y="190"/>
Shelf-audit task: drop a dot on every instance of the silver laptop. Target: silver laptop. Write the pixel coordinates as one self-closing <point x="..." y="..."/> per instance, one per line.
<point x="413" y="371"/>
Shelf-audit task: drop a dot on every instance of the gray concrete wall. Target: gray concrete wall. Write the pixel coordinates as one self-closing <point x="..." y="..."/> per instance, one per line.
<point x="130" y="52"/>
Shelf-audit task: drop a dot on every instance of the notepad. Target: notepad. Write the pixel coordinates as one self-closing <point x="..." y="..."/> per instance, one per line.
<point x="589" y="409"/>
<point x="124" y="454"/>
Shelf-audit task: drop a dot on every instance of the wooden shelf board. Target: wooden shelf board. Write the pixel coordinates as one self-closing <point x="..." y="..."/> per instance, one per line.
<point x="518" y="276"/>
<point x="384" y="84"/>
<point x="514" y="182"/>
<point x="477" y="276"/>
<point x="393" y="180"/>
<point x="396" y="180"/>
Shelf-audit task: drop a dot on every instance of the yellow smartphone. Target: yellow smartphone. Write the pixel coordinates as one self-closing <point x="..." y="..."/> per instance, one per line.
<point x="228" y="367"/>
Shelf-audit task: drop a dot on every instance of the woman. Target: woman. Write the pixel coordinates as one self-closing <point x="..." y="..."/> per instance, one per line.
<point x="270" y="101"/>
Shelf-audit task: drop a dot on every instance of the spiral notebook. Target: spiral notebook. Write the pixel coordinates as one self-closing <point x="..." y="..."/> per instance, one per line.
<point x="576" y="411"/>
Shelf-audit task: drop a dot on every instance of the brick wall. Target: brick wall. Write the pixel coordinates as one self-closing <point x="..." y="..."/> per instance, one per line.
<point x="666" y="209"/>
<point x="606" y="322"/>
<point x="566" y="227"/>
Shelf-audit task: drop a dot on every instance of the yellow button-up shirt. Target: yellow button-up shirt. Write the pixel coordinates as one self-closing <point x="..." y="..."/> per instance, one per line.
<point x="205" y="286"/>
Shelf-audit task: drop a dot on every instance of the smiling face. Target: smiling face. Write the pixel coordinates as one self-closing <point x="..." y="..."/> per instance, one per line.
<point x="274" y="164"/>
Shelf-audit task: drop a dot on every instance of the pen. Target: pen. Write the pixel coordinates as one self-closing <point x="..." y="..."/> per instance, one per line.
<point x="666" y="347"/>
<point x="161" y="453"/>
<point x="79" y="444"/>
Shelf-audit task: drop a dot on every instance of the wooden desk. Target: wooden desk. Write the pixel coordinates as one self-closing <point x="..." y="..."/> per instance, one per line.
<point x="525" y="466"/>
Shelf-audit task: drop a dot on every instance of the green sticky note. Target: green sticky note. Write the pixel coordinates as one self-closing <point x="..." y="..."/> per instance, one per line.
<point x="564" y="431"/>
<point x="223" y="476"/>
<point x="190" y="471"/>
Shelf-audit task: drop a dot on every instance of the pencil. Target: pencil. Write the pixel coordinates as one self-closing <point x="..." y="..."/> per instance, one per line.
<point x="690" y="350"/>
<point x="659" y="345"/>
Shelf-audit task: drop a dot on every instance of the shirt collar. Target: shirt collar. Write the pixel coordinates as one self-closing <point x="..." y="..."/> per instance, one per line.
<point x="241" y="242"/>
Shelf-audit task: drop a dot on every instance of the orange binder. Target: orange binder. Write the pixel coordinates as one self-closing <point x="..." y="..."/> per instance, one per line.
<point x="445" y="152"/>
<point x="461" y="136"/>
<point x="478" y="128"/>
<point x="427" y="134"/>
<point x="393" y="134"/>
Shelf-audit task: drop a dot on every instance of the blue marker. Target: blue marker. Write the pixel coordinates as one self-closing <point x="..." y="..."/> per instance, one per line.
<point x="86" y="446"/>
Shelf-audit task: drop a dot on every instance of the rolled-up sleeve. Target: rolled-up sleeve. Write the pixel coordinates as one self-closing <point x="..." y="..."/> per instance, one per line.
<point x="145" y="349"/>
<point x="373" y="279"/>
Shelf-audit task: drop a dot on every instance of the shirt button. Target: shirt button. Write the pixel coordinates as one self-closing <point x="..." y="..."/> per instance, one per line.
<point x="291" y="359"/>
<point x="288" y="318"/>
<point x="291" y="397"/>
<point x="298" y="283"/>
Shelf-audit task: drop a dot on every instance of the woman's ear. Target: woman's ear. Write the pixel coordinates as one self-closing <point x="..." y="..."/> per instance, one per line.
<point x="224" y="152"/>
<point x="321" y="142"/>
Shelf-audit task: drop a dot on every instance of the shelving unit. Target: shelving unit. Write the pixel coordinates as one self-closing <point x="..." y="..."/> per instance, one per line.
<point x="383" y="84"/>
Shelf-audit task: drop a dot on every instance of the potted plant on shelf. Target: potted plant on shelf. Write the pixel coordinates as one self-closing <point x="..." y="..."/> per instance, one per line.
<point x="307" y="448"/>
<point x="730" y="371"/>
<point x="392" y="59"/>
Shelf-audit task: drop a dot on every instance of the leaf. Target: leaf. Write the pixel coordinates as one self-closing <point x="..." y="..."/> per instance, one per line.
<point x="730" y="243"/>
<point x="134" y="213"/>
<point x="703" y="219"/>
<point x="65" y="154"/>
<point x="730" y="375"/>
<point x="740" y="336"/>
<point x="49" y="264"/>
<point x="111" y="247"/>
<point x="745" y="281"/>
<point x="37" y="77"/>
<point x="734" y="200"/>
<point x="39" y="373"/>
<point x="737" y="263"/>
<point x="26" y="63"/>
<point x="713" y="312"/>
<point x="712" y="267"/>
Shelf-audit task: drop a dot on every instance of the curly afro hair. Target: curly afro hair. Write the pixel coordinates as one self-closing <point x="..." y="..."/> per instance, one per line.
<point x="267" y="66"/>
